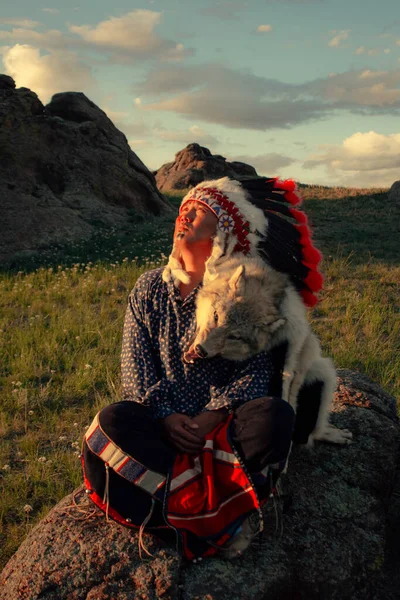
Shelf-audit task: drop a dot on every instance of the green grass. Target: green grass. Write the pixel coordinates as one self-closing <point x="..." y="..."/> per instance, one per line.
<point x="61" y="317"/>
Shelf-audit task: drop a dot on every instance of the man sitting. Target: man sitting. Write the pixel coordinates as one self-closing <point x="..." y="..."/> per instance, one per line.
<point x="194" y="446"/>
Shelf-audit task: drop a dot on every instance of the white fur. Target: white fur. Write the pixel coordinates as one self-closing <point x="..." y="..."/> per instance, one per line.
<point x="275" y="298"/>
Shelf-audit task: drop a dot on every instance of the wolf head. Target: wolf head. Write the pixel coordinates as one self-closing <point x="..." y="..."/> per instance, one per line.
<point x="238" y="312"/>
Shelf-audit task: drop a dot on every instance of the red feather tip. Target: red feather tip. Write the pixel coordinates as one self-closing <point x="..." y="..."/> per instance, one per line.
<point x="311" y="254"/>
<point x="293" y="198"/>
<point x="299" y="215"/>
<point x="305" y="234"/>
<point x="314" y="281"/>
<point x="308" y="298"/>
<point x="289" y="185"/>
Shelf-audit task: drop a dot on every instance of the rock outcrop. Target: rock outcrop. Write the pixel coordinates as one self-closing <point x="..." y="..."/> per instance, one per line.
<point x="394" y="192"/>
<point x="64" y="170"/>
<point x="332" y="544"/>
<point x="195" y="164"/>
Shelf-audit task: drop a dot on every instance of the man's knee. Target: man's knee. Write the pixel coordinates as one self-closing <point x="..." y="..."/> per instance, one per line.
<point x="268" y="408"/>
<point x="123" y="411"/>
<point x="263" y="428"/>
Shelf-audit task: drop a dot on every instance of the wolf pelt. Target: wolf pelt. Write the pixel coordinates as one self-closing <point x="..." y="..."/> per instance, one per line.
<point x="249" y="307"/>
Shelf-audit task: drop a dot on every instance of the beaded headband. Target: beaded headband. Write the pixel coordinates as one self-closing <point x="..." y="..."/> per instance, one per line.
<point x="230" y="219"/>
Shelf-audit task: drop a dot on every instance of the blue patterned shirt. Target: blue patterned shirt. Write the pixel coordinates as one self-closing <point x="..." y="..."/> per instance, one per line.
<point x="159" y="327"/>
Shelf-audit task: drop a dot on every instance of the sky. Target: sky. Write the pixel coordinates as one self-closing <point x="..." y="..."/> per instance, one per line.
<point x="302" y="89"/>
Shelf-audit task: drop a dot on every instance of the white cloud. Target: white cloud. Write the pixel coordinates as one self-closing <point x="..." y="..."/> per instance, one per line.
<point x="48" y="74"/>
<point x="194" y="134"/>
<point x="361" y="159"/>
<point x="115" y="115"/>
<point x="122" y="38"/>
<point x="132" y="34"/>
<point x="360" y="90"/>
<point x="25" y="23"/>
<point x="53" y="39"/>
<point x="371" y="51"/>
<point x="368" y="74"/>
<point x="240" y="99"/>
<point x="339" y="36"/>
<point x="266" y="164"/>
<point x="139" y="128"/>
<point x="264" y="28"/>
<point x="387" y="50"/>
<point x="138" y="144"/>
<point x="119" y="118"/>
<point x="133" y="31"/>
<point x="176" y="54"/>
<point x="226" y="96"/>
<point x="51" y="11"/>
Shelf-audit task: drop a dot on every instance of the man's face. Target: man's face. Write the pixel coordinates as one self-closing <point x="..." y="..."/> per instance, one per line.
<point x="195" y="223"/>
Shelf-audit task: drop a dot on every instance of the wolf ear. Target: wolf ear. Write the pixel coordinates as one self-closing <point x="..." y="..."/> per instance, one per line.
<point x="275" y="325"/>
<point x="238" y="280"/>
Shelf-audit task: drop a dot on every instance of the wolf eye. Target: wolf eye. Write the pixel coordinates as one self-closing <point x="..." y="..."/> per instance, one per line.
<point x="233" y="337"/>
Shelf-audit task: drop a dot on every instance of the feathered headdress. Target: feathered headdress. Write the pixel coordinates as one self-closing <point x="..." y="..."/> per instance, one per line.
<point x="257" y="218"/>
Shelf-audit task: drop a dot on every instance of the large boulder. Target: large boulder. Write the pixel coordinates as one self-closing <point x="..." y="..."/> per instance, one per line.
<point x="195" y="164"/>
<point x="330" y="541"/>
<point x="64" y="170"/>
<point x="394" y="192"/>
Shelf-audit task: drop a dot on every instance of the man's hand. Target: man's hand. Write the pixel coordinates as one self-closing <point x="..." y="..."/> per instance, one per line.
<point x="183" y="433"/>
<point x="207" y="421"/>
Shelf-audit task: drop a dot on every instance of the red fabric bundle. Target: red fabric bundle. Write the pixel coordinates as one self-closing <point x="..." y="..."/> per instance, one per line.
<point x="210" y="491"/>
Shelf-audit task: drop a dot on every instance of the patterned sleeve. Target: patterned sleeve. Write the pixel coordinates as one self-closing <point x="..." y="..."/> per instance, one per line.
<point x="141" y="375"/>
<point x="249" y="380"/>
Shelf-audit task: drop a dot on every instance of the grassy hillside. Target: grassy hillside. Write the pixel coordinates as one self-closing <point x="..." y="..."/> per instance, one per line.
<point x="61" y="323"/>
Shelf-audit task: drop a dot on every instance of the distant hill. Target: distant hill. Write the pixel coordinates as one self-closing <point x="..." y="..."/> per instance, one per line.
<point x="195" y="164"/>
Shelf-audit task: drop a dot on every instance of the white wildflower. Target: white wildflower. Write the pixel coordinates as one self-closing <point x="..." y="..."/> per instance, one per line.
<point x="42" y="459"/>
<point x="28" y="508"/>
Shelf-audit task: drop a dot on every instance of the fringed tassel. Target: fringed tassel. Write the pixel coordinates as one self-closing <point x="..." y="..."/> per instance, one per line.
<point x="278" y="493"/>
<point x="141" y="531"/>
<point x="106" y="495"/>
<point x="274" y="503"/>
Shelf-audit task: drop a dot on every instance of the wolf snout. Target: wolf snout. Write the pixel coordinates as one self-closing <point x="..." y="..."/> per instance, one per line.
<point x="200" y="351"/>
<point x="194" y="353"/>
